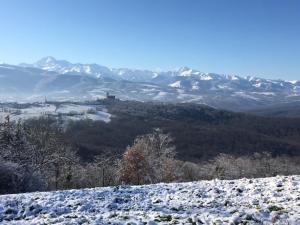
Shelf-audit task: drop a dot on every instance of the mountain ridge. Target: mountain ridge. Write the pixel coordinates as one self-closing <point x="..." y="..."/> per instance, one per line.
<point x="64" y="80"/>
<point x="44" y="62"/>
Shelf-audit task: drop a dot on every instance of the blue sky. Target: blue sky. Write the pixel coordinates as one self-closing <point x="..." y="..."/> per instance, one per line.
<point x="244" y="37"/>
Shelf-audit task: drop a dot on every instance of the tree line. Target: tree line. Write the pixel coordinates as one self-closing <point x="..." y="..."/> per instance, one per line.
<point x="199" y="132"/>
<point x="36" y="156"/>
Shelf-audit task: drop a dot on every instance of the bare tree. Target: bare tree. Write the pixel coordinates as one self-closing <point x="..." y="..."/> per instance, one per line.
<point x="135" y="168"/>
<point x="151" y="159"/>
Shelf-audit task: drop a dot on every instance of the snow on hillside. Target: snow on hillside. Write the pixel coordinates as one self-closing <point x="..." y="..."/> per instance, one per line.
<point x="64" y="111"/>
<point x="246" y="201"/>
<point x="65" y="81"/>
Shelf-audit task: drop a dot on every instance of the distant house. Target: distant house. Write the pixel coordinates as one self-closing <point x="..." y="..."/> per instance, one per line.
<point x="108" y="96"/>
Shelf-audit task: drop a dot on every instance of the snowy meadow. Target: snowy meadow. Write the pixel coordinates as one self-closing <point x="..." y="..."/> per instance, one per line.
<point x="274" y="200"/>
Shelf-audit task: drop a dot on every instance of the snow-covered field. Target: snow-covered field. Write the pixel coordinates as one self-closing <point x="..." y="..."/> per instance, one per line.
<point x="66" y="111"/>
<point x="246" y="201"/>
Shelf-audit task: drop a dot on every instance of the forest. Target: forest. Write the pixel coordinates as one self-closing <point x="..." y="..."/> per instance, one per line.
<point x="145" y="143"/>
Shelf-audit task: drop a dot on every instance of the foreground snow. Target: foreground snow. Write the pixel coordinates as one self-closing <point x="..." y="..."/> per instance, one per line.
<point x="247" y="201"/>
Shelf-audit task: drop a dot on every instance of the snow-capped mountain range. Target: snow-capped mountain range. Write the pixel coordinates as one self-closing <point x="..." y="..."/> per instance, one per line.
<point x="61" y="80"/>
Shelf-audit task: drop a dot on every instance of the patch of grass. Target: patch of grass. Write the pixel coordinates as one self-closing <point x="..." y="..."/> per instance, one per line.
<point x="174" y="222"/>
<point x="190" y="220"/>
<point x="167" y="218"/>
<point x="274" y="208"/>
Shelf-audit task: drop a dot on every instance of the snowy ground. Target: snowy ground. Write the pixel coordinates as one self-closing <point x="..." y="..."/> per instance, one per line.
<point x="66" y="111"/>
<point x="246" y="201"/>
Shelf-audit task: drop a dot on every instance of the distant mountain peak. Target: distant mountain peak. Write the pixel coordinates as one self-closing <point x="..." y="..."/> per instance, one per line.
<point x="47" y="59"/>
<point x="294" y="81"/>
<point x="184" y="68"/>
<point x="186" y="71"/>
<point x="77" y="80"/>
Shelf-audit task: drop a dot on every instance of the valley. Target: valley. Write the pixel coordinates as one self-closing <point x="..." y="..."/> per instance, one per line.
<point x="150" y="112"/>
<point x="200" y="132"/>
